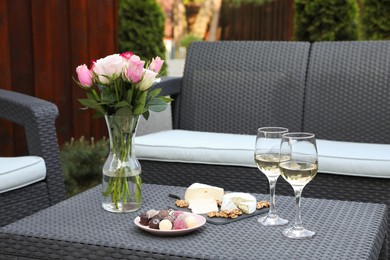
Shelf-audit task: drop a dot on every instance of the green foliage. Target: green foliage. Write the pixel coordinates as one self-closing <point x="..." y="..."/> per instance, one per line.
<point x="188" y="39"/>
<point x="330" y="20"/>
<point x="376" y="20"/>
<point x="141" y="29"/>
<point x="82" y="163"/>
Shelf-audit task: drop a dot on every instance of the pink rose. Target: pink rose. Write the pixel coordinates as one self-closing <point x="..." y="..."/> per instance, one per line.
<point x="148" y="79"/>
<point x="126" y="55"/>
<point x="84" y="75"/>
<point x="156" y="64"/>
<point x="109" y="67"/>
<point x="135" y="69"/>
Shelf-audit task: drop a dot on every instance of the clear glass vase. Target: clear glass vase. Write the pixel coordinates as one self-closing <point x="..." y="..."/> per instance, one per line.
<point x="122" y="182"/>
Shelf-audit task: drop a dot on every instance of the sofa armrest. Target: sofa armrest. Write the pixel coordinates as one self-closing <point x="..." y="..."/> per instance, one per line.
<point x="169" y="85"/>
<point x="37" y="116"/>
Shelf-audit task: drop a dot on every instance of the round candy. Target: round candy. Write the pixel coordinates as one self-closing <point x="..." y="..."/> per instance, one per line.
<point x="165" y="224"/>
<point x="154" y="223"/>
<point x="151" y="213"/>
<point x="191" y="221"/>
<point x="179" y="223"/>
<point x="143" y="219"/>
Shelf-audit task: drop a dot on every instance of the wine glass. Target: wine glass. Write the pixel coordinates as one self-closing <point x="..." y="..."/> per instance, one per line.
<point x="267" y="152"/>
<point x="298" y="166"/>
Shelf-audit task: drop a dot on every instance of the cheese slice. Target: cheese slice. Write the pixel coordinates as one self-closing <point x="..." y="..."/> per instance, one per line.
<point x="203" y="205"/>
<point x="244" y="201"/>
<point x="228" y="204"/>
<point x="203" y="191"/>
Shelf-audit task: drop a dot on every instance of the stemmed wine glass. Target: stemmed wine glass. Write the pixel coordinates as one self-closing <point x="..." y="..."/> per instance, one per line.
<point x="267" y="152"/>
<point x="298" y="167"/>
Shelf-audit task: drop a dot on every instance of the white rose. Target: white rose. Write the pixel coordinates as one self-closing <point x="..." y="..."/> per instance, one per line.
<point x="109" y="66"/>
<point x="148" y="79"/>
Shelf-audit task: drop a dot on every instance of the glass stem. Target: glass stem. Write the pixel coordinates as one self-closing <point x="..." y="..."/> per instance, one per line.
<point x="298" y="219"/>
<point x="272" y="187"/>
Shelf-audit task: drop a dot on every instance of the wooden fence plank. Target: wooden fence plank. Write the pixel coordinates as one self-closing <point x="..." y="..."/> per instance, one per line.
<point x="6" y="128"/>
<point x="272" y="21"/>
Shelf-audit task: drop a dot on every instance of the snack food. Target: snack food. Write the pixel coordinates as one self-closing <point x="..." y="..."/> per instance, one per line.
<point x="166" y="220"/>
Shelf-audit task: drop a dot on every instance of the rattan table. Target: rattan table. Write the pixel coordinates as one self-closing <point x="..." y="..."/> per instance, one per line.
<point x="80" y="228"/>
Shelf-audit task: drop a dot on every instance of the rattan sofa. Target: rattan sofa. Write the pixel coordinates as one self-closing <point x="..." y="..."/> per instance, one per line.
<point x="37" y="116"/>
<point x="338" y="90"/>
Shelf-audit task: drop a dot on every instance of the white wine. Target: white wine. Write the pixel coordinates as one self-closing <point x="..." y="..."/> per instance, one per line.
<point x="298" y="173"/>
<point x="268" y="164"/>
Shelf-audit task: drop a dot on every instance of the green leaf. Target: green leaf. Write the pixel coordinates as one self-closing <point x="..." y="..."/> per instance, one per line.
<point x="156" y="105"/>
<point x="91" y="103"/>
<point x="139" y="108"/>
<point x="155" y="92"/>
<point x="146" y="114"/>
<point x="122" y="104"/>
<point x="124" y="111"/>
<point x="166" y="99"/>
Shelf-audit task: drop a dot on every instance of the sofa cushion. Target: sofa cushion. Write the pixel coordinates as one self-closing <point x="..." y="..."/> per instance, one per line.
<point x="17" y="172"/>
<point x="334" y="157"/>
<point x="357" y="159"/>
<point x="197" y="147"/>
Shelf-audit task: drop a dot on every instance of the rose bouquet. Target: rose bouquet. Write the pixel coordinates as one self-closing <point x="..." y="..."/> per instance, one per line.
<point x="118" y="88"/>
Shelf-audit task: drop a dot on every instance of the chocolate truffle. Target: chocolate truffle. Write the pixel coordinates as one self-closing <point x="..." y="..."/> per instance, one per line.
<point x="143" y="219"/>
<point x="163" y="214"/>
<point x="154" y="223"/>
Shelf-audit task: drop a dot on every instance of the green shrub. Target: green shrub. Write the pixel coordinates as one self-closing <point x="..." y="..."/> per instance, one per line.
<point x="82" y="163"/>
<point x="188" y="39"/>
<point x="375" y="20"/>
<point x="141" y="28"/>
<point x="330" y="20"/>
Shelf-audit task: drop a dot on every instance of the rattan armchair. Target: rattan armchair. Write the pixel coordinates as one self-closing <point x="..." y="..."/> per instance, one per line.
<point x="37" y="116"/>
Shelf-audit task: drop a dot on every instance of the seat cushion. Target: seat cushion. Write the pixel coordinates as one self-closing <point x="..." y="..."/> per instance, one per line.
<point x="17" y="172"/>
<point x="197" y="147"/>
<point x="356" y="159"/>
<point x="334" y="157"/>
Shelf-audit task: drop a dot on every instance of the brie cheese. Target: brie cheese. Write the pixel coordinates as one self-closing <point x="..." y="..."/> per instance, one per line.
<point x="199" y="191"/>
<point x="244" y="201"/>
<point x="203" y="205"/>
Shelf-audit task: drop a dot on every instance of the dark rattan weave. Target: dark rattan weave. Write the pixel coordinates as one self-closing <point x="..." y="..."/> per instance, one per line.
<point x="80" y="228"/>
<point x="346" y="97"/>
<point x="38" y="119"/>
<point x="348" y="91"/>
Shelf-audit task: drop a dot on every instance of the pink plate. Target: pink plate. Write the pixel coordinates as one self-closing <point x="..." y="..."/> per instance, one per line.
<point x="179" y="232"/>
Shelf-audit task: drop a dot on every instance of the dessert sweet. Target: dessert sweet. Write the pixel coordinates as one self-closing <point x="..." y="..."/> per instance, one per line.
<point x="167" y="219"/>
<point x="154" y="223"/>
<point x="165" y="224"/>
<point x="179" y="223"/>
<point x="144" y="219"/>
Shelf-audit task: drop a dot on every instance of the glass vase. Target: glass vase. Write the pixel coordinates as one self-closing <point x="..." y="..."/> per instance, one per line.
<point x="122" y="182"/>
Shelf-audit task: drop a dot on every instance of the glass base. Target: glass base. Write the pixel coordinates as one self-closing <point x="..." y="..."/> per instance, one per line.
<point x="272" y="220"/>
<point x="129" y="207"/>
<point x="298" y="233"/>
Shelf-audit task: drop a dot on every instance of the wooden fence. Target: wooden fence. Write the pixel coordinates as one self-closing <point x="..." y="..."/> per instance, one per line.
<point x="272" y="21"/>
<point x="43" y="41"/>
<point x="41" y="44"/>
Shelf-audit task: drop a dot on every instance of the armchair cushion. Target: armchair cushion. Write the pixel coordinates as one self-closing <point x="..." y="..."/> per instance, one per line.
<point x="17" y="172"/>
<point x="334" y="157"/>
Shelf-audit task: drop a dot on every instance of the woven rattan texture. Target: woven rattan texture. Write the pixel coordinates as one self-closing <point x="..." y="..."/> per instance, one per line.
<point x="348" y="90"/>
<point x="38" y="119"/>
<point x="236" y="87"/>
<point x="323" y="186"/>
<point x="80" y="228"/>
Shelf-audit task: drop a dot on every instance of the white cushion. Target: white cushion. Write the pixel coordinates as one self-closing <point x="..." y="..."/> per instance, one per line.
<point x="357" y="159"/>
<point x="343" y="158"/>
<point x="17" y="172"/>
<point x="197" y="147"/>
